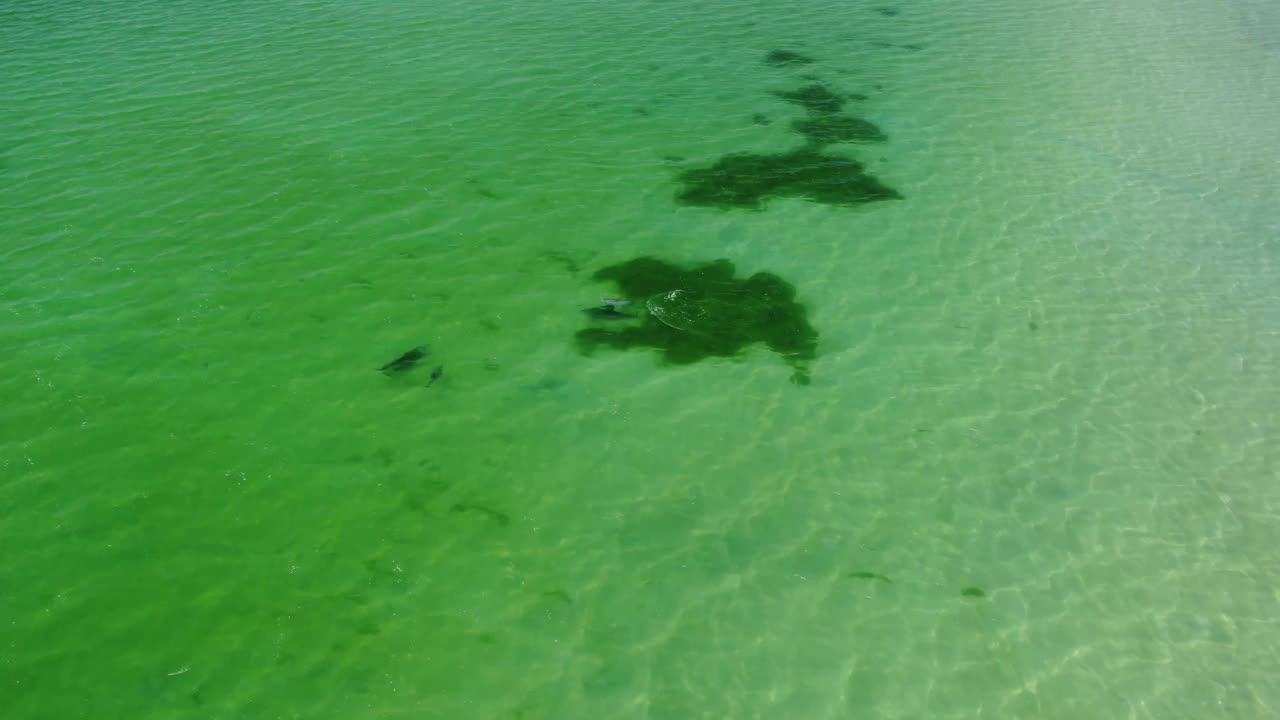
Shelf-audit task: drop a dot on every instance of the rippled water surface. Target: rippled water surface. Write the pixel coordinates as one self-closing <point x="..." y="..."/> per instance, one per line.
<point x="1032" y="474"/>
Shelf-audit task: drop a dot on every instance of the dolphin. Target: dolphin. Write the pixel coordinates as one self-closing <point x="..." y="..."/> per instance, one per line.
<point x="405" y="361"/>
<point x="608" y="312"/>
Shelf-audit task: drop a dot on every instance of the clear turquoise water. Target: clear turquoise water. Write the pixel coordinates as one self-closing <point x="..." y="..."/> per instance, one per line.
<point x="1049" y="372"/>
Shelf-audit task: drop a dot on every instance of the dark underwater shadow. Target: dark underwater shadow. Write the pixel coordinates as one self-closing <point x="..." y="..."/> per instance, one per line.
<point x="747" y="180"/>
<point x="704" y="311"/>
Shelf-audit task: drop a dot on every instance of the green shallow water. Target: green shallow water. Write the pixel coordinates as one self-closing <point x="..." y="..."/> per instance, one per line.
<point x="1047" y="372"/>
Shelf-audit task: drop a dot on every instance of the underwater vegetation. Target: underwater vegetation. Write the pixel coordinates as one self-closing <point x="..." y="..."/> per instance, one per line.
<point x="745" y="180"/>
<point x="704" y="311"/>
<point x="826" y="124"/>
<point x="828" y="129"/>
<point x="816" y="98"/>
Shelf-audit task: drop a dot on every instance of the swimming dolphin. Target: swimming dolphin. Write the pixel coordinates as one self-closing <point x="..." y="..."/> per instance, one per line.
<point x="405" y="361"/>
<point x="608" y="312"/>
